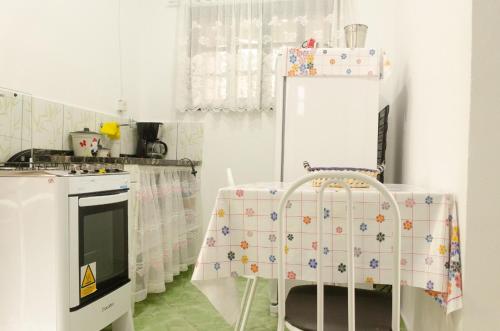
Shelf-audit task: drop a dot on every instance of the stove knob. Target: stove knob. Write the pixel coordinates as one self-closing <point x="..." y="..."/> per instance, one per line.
<point x="85" y="171"/>
<point x="72" y="172"/>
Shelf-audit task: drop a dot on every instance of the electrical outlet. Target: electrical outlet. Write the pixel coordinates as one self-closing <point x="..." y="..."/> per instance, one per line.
<point x="121" y="106"/>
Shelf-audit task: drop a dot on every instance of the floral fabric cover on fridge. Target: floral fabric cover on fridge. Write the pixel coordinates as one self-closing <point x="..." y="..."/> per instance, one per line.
<point x="367" y="62"/>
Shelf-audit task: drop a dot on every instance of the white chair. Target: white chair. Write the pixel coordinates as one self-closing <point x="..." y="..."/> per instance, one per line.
<point x="251" y="284"/>
<point x="296" y="311"/>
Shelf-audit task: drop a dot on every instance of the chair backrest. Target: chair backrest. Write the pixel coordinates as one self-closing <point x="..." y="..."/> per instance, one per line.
<point x="230" y="178"/>
<point x="383" y="125"/>
<point x="339" y="177"/>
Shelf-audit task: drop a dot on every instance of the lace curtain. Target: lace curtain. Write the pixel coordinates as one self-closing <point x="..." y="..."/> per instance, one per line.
<point x="227" y="48"/>
<point x="165" y="231"/>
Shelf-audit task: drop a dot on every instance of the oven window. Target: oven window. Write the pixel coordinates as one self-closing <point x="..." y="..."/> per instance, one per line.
<point x="104" y="241"/>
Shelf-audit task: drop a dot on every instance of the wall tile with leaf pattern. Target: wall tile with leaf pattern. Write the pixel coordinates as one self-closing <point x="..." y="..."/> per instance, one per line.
<point x="47" y="124"/>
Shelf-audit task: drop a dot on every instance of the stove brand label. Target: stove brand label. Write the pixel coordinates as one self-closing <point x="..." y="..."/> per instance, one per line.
<point x="111" y="304"/>
<point x="88" y="279"/>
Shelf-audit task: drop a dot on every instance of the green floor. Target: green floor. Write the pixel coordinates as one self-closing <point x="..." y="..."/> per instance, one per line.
<point x="183" y="308"/>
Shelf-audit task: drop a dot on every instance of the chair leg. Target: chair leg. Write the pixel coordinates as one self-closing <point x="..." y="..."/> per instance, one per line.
<point x="244" y="301"/>
<point x="273" y="297"/>
<point x="249" y="300"/>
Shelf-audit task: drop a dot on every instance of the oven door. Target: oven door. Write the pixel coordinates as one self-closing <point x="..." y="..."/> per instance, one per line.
<point x="98" y="245"/>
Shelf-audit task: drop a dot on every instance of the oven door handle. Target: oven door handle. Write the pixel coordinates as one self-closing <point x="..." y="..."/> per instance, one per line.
<point x="102" y="200"/>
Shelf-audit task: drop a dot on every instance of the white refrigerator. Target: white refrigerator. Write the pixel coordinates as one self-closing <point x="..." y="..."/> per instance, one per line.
<point x="327" y="108"/>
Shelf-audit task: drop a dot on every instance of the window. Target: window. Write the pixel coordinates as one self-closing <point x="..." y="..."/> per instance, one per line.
<point x="227" y="49"/>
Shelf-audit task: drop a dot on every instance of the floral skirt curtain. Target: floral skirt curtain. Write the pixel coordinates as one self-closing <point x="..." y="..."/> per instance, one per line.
<point x="165" y="226"/>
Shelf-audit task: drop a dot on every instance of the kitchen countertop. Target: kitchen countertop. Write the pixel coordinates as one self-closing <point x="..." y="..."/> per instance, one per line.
<point x="115" y="160"/>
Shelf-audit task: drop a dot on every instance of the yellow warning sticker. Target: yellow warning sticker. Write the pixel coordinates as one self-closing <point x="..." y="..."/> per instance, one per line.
<point x="88" y="279"/>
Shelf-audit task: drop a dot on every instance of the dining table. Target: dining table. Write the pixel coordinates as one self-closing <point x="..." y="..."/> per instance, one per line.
<point x="241" y="240"/>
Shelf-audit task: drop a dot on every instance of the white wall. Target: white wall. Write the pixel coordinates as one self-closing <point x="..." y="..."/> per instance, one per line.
<point x="433" y="73"/>
<point x="242" y="142"/>
<point x="483" y="270"/>
<point x="66" y="51"/>
<point x="148" y="41"/>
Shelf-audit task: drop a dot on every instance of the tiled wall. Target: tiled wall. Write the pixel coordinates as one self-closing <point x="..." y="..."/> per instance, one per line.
<point x="27" y="121"/>
<point x="14" y="127"/>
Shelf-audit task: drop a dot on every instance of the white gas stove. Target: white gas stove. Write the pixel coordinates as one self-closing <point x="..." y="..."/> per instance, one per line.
<point x="64" y="249"/>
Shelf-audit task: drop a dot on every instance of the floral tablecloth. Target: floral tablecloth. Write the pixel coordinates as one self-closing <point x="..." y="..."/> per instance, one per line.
<point x="242" y="238"/>
<point x="333" y="62"/>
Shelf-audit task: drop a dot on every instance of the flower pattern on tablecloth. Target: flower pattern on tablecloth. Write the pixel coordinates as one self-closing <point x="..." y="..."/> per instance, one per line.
<point x="272" y="237"/>
<point x="313" y="263"/>
<point x="244" y="259"/>
<point x="210" y="242"/>
<point x="429" y="260"/>
<point x="409" y="203"/>
<point x="249" y="212"/>
<point x="332" y="62"/>
<point x="274" y="216"/>
<point x="246" y="246"/>
<point x="380" y="237"/>
<point x="408" y="225"/>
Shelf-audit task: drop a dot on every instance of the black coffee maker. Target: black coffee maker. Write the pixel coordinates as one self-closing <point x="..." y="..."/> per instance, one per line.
<point x="148" y="144"/>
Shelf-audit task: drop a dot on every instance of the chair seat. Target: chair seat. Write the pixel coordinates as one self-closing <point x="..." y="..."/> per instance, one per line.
<point x="373" y="309"/>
